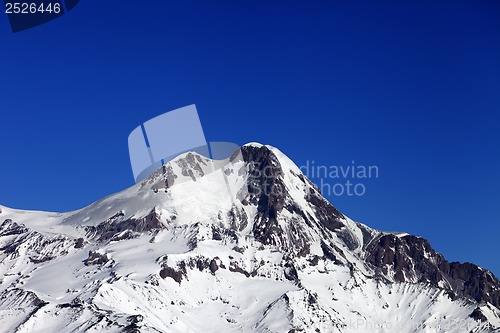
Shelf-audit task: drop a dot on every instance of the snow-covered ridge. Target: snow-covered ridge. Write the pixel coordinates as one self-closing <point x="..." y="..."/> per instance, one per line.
<point x="246" y="244"/>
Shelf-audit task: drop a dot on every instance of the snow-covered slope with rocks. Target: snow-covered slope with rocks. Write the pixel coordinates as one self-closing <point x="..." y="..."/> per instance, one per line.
<point x="246" y="244"/>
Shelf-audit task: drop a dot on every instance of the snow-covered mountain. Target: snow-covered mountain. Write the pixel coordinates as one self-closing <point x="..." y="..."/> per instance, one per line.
<point x="248" y="244"/>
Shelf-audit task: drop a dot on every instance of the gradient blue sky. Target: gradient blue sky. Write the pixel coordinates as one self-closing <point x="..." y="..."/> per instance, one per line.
<point x="410" y="86"/>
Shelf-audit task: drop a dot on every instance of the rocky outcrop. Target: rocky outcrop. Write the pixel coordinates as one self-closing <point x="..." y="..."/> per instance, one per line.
<point x="266" y="190"/>
<point x="96" y="258"/>
<point x="412" y="259"/>
<point x="117" y="228"/>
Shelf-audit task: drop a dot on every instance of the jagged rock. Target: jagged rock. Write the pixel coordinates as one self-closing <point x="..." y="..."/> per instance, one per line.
<point x="478" y="315"/>
<point x="116" y="225"/>
<point x="96" y="258"/>
<point x="9" y="227"/>
<point x="412" y="259"/>
<point x="213" y="266"/>
<point x="290" y="272"/>
<point x="79" y="243"/>
<point x="176" y="275"/>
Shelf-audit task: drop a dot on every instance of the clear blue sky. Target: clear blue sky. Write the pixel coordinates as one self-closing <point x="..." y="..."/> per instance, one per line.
<point x="412" y="87"/>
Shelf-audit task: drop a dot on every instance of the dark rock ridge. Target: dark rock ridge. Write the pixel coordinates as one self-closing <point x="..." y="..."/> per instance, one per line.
<point x="117" y="228"/>
<point x="180" y="272"/>
<point x="268" y="192"/>
<point x="165" y="176"/>
<point x="96" y="258"/>
<point x="412" y="259"/>
<point x="38" y="247"/>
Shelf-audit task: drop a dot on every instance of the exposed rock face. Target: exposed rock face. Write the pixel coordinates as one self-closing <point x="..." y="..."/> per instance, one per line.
<point x="8" y="228"/>
<point x="37" y="247"/>
<point x="96" y="258"/>
<point x="172" y="273"/>
<point x="116" y="228"/>
<point x="191" y="167"/>
<point x="329" y="216"/>
<point x="412" y="259"/>
<point x="469" y="280"/>
<point x="409" y="258"/>
<point x="266" y="191"/>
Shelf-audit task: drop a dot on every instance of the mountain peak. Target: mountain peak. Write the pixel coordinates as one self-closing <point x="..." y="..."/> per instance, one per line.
<point x="242" y="244"/>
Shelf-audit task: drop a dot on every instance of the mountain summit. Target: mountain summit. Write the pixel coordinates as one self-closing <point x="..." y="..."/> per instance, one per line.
<point x="246" y="244"/>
